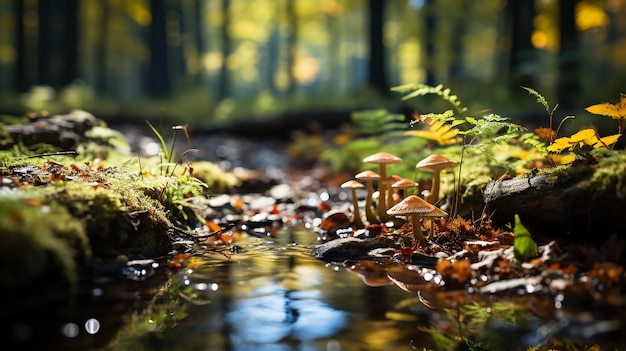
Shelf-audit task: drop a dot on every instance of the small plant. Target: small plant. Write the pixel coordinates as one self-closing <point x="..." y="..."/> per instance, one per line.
<point x="584" y="137"/>
<point x="524" y="247"/>
<point x="168" y="154"/>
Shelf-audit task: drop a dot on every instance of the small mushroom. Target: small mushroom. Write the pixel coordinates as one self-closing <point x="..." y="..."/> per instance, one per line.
<point x="369" y="177"/>
<point x="403" y="185"/>
<point x="387" y="182"/>
<point x="382" y="159"/>
<point x="415" y="208"/>
<point x="353" y="185"/>
<point x="435" y="163"/>
<point x="436" y="212"/>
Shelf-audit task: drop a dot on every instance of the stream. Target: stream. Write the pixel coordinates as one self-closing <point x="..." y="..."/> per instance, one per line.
<point x="269" y="293"/>
<point x="271" y="296"/>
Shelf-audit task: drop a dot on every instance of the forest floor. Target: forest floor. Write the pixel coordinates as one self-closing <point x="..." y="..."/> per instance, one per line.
<point x="65" y="217"/>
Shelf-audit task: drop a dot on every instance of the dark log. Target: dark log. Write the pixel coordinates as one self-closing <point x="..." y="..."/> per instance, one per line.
<point x="568" y="208"/>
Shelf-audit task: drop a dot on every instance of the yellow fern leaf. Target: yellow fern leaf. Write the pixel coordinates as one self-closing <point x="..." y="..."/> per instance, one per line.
<point x="438" y="131"/>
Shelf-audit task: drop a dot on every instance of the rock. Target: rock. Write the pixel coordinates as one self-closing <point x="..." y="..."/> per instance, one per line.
<point x="343" y="249"/>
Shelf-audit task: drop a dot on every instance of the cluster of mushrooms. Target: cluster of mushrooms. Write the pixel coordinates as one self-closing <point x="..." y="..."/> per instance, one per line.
<point x="392" y="201"/>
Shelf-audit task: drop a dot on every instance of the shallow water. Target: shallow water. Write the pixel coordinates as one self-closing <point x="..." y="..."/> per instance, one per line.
<point x="272" y="296"/>
<point x="275" y="296"/>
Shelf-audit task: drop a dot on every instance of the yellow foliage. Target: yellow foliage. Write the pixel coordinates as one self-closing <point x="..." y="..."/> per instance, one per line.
<point x="583" y="137"/>
<point x="616" y="111"/>
<point x="439" y="131"/>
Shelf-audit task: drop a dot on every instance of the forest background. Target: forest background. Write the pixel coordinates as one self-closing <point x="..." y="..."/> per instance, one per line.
<point x="217" y="61"/>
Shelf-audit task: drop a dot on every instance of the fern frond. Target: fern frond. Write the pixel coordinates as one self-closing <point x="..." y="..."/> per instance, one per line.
<point x="440" y="127"/>
<point x="540" y="99"/>
<point x="376" y="122"/>
<point x="534" y="141"/>
<point x="490" y="126"/>
<point x="423" y="89"/>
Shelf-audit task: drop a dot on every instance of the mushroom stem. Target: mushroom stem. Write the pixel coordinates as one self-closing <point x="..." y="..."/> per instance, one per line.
<point x="358" y="223"/>
<point x="390" y="201"/>
<point x="382" y="207"/>
<point x="434" y="190"/>
<point x="431" y="233"/>
<point x="417" y="228"/>
<point x="371" y="216"/>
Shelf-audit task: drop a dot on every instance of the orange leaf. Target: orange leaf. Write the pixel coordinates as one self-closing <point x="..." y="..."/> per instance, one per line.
<point x="546" y="134"/>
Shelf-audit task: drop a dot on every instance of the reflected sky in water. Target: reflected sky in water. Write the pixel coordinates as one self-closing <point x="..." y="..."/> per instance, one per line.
<point x="275" y="296"/>
<point x="272" y="313"/>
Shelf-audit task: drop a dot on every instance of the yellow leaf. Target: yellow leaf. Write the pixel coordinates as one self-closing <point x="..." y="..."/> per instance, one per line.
<point x="607" y="141"/>
<point x="561" y="144"/>
<point x="617" y="111"/>
<point x="584" y="135"/>
<point x="563" y="159"/>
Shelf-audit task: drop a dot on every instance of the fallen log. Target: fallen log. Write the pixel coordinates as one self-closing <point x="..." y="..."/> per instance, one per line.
<point x="570" y="206"/>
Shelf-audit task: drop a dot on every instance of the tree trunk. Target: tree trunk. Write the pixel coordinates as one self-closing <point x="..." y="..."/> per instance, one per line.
<point x="22" y="81"/>
<point x="377" y="76"/>
<point x="568" y="84"/>
<point x="429" y="49"/>
<point x="58" y="41"/>
<point x="223" y="89"/>
<point x="101" y="47"/>
<point x="159" y="68"/>
<point x="292" y="42"/>
<point x="521" y="15"/>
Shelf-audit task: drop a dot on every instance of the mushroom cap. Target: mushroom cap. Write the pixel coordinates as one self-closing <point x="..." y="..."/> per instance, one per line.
<point x="391" y="179"/>
<point x="435" y="163"/>
<point x="404" y="184"/>
<point x="382" y="158"/>
<point x="367" y="175"/>
<point x="413" y="204"/>
<point x="352" y="184"/>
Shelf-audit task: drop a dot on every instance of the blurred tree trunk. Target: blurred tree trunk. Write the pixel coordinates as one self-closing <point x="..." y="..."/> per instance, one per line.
<point x="22" y="81"/>
<point x="568" y="84"/>
<point x="198" y="35"/>
<point x="459" y="28"/>
<point x="377" y="77"/>
<point x="429" y="49"/>
<point x="521" y="15"/>
<point x="292" y="42"/>
<point x="100" y="58"/>
<point x="158" y="75"/>
<point x="57" y="54"/>
<point x="223" y="88"/>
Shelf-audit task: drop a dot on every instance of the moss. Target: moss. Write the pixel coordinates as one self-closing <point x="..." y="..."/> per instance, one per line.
<point x="40" y="240"/>
<point x="609" y="176"/>
<point x="476" y="185"/>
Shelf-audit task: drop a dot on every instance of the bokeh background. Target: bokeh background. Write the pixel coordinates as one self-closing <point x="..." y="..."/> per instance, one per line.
<point x="218" y="61"/>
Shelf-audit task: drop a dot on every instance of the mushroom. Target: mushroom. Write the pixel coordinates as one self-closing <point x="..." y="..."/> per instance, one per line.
<point x="353" y="185"/>
<point x="402" y="185"/>
<point x="382" y="159"/>
<point x="387" y="182"/>
<point x="435" y="163"/>
<point x="369" y="177"/>
<point x="436" y="212"/>
<point x="413" y="207"/>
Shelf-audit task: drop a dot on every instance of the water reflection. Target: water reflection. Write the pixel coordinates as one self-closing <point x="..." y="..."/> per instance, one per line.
<point x="275" y="296"/>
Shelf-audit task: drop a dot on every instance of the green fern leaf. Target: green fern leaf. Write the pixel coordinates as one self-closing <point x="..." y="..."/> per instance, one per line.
<point x="540" y="99"/>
